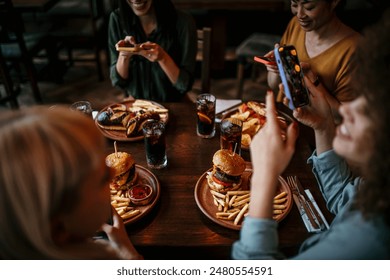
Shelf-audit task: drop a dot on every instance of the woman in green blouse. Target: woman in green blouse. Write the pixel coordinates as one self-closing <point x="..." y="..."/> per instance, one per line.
<point x="162" y="66"/>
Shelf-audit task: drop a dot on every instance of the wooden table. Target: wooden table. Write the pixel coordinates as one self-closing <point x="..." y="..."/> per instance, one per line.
<point x="176" y="228"/>
<point x="34" y="5"/>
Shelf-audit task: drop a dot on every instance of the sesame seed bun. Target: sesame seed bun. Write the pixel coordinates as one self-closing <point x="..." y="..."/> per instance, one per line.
<point x="227" y="170"/>
<point x="121" y="162"/>
<point x="229" y="162"/>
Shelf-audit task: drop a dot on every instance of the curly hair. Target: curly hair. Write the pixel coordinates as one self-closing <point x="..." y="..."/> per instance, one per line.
<point x="371" y="81"/>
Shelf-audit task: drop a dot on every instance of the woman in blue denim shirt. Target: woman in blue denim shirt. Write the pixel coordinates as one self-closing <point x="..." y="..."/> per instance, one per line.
<point x="361" y="228"/>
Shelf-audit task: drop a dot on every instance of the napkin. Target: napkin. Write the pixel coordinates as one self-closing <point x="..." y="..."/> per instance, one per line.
<point x="223" y="104"/>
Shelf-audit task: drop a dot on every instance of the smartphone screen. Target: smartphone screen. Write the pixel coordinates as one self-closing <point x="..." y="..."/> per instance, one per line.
<point x="292" y="76"/>
<point x="264" y="60"/>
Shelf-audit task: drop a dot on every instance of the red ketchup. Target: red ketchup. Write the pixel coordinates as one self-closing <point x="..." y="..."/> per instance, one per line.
<point x="140" y="191"/>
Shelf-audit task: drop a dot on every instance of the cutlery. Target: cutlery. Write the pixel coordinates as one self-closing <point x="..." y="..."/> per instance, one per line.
<point x="303" y="214"/>
<point x="311" y="222"/>
<point x="312" y="209"/>
<point x="299" y="205"/>
<point x="315" y="205"/>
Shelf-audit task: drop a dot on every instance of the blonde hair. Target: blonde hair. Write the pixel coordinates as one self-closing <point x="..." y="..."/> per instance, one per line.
<point x="45" y="155"/>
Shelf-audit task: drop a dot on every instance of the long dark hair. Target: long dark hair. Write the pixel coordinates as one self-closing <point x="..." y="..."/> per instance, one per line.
<point x="165" y="14"/>
<point x="371" y="81"/>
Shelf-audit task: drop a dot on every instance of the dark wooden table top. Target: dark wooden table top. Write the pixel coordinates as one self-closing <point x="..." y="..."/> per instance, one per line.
<point x="176" y="228"/>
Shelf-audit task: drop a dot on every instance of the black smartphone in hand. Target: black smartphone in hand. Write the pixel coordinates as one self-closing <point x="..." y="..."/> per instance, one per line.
<point x="292" y="76"/>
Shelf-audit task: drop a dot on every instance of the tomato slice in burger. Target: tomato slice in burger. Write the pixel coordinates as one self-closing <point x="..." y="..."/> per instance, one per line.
<point x="221" y="182"/>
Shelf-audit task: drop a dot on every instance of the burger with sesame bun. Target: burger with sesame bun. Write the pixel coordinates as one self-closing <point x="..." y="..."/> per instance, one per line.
<point x="228" y="168"/>
<point x="123" y="165"/>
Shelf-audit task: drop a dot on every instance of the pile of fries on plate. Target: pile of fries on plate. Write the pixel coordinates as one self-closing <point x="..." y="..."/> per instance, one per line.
<point x="121" y="202"/>
<point x="234" y="205"/>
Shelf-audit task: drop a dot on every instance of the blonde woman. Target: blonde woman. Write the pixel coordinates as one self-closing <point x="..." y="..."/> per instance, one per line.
<point x="54" y="192"/>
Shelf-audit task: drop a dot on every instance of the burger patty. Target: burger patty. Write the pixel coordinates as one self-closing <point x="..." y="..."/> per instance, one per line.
<point x="222" y="176"/>
<point x="124" y="178"/>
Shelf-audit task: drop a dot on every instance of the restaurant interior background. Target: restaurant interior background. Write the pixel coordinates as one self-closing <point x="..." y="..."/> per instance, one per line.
<point x="231" y="21"/>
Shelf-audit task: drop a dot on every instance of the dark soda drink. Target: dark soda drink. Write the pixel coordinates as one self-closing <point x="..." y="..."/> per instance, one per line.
<point x="231" y="133"/>
<point x="155" y="148"/>
<point x="205" y="110"/>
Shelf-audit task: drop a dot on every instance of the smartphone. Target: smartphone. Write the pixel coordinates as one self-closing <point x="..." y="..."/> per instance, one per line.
<point x="292" y="76"/>
<point x="264" y="60"/>
<point x="127" y="47"/>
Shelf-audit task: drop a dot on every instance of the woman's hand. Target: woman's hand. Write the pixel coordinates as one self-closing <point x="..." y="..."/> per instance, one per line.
<point x="318" y="114"/>
<point x="270" y="152"/>
<point x="155" y="53"/>
<point x="270" y="155"/>
<point x="152" y="51"/>
<point x="127" y="41"/>
<point x="272" y="67"/>
<point x="119" y="239"/>
<point x="273" y="75"/>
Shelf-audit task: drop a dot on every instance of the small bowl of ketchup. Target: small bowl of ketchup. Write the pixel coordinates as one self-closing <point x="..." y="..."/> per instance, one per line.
<point x="141" y="194"/>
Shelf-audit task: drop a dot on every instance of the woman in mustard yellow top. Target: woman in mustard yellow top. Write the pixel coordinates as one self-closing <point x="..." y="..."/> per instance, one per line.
<point x="324" y="43"/>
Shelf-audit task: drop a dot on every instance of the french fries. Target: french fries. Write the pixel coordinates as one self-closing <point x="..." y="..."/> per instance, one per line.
<point x="252" y="114"/>
<point x="121" y="202"/>
<point x="147" y="106"/>
<point x="234" y="205"/>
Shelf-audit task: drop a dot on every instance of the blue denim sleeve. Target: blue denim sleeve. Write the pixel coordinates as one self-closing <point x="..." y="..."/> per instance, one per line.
<point x="258" y="240"/>
<point x="335" y="179"/>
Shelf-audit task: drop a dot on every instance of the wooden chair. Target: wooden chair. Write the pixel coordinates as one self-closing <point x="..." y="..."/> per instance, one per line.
<point x="17" y="48"/>
<point x="11" y="93"/>
<point x="81" y="24"/>
<point x="255" y="44"/>
<point x="204" y="57"/>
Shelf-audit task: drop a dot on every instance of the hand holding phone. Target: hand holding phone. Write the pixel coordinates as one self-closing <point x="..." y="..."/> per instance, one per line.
<point x="264" y="60"/>
<point x="127" y="47"/>
<point x="292" y="76"/>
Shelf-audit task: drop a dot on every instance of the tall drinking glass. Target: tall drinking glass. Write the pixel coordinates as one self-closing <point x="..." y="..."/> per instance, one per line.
<point x="155" y="148"/>
<point x="83" y="107"/>
<point x="231" y="133"/>
<point x="205" y="111"/>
